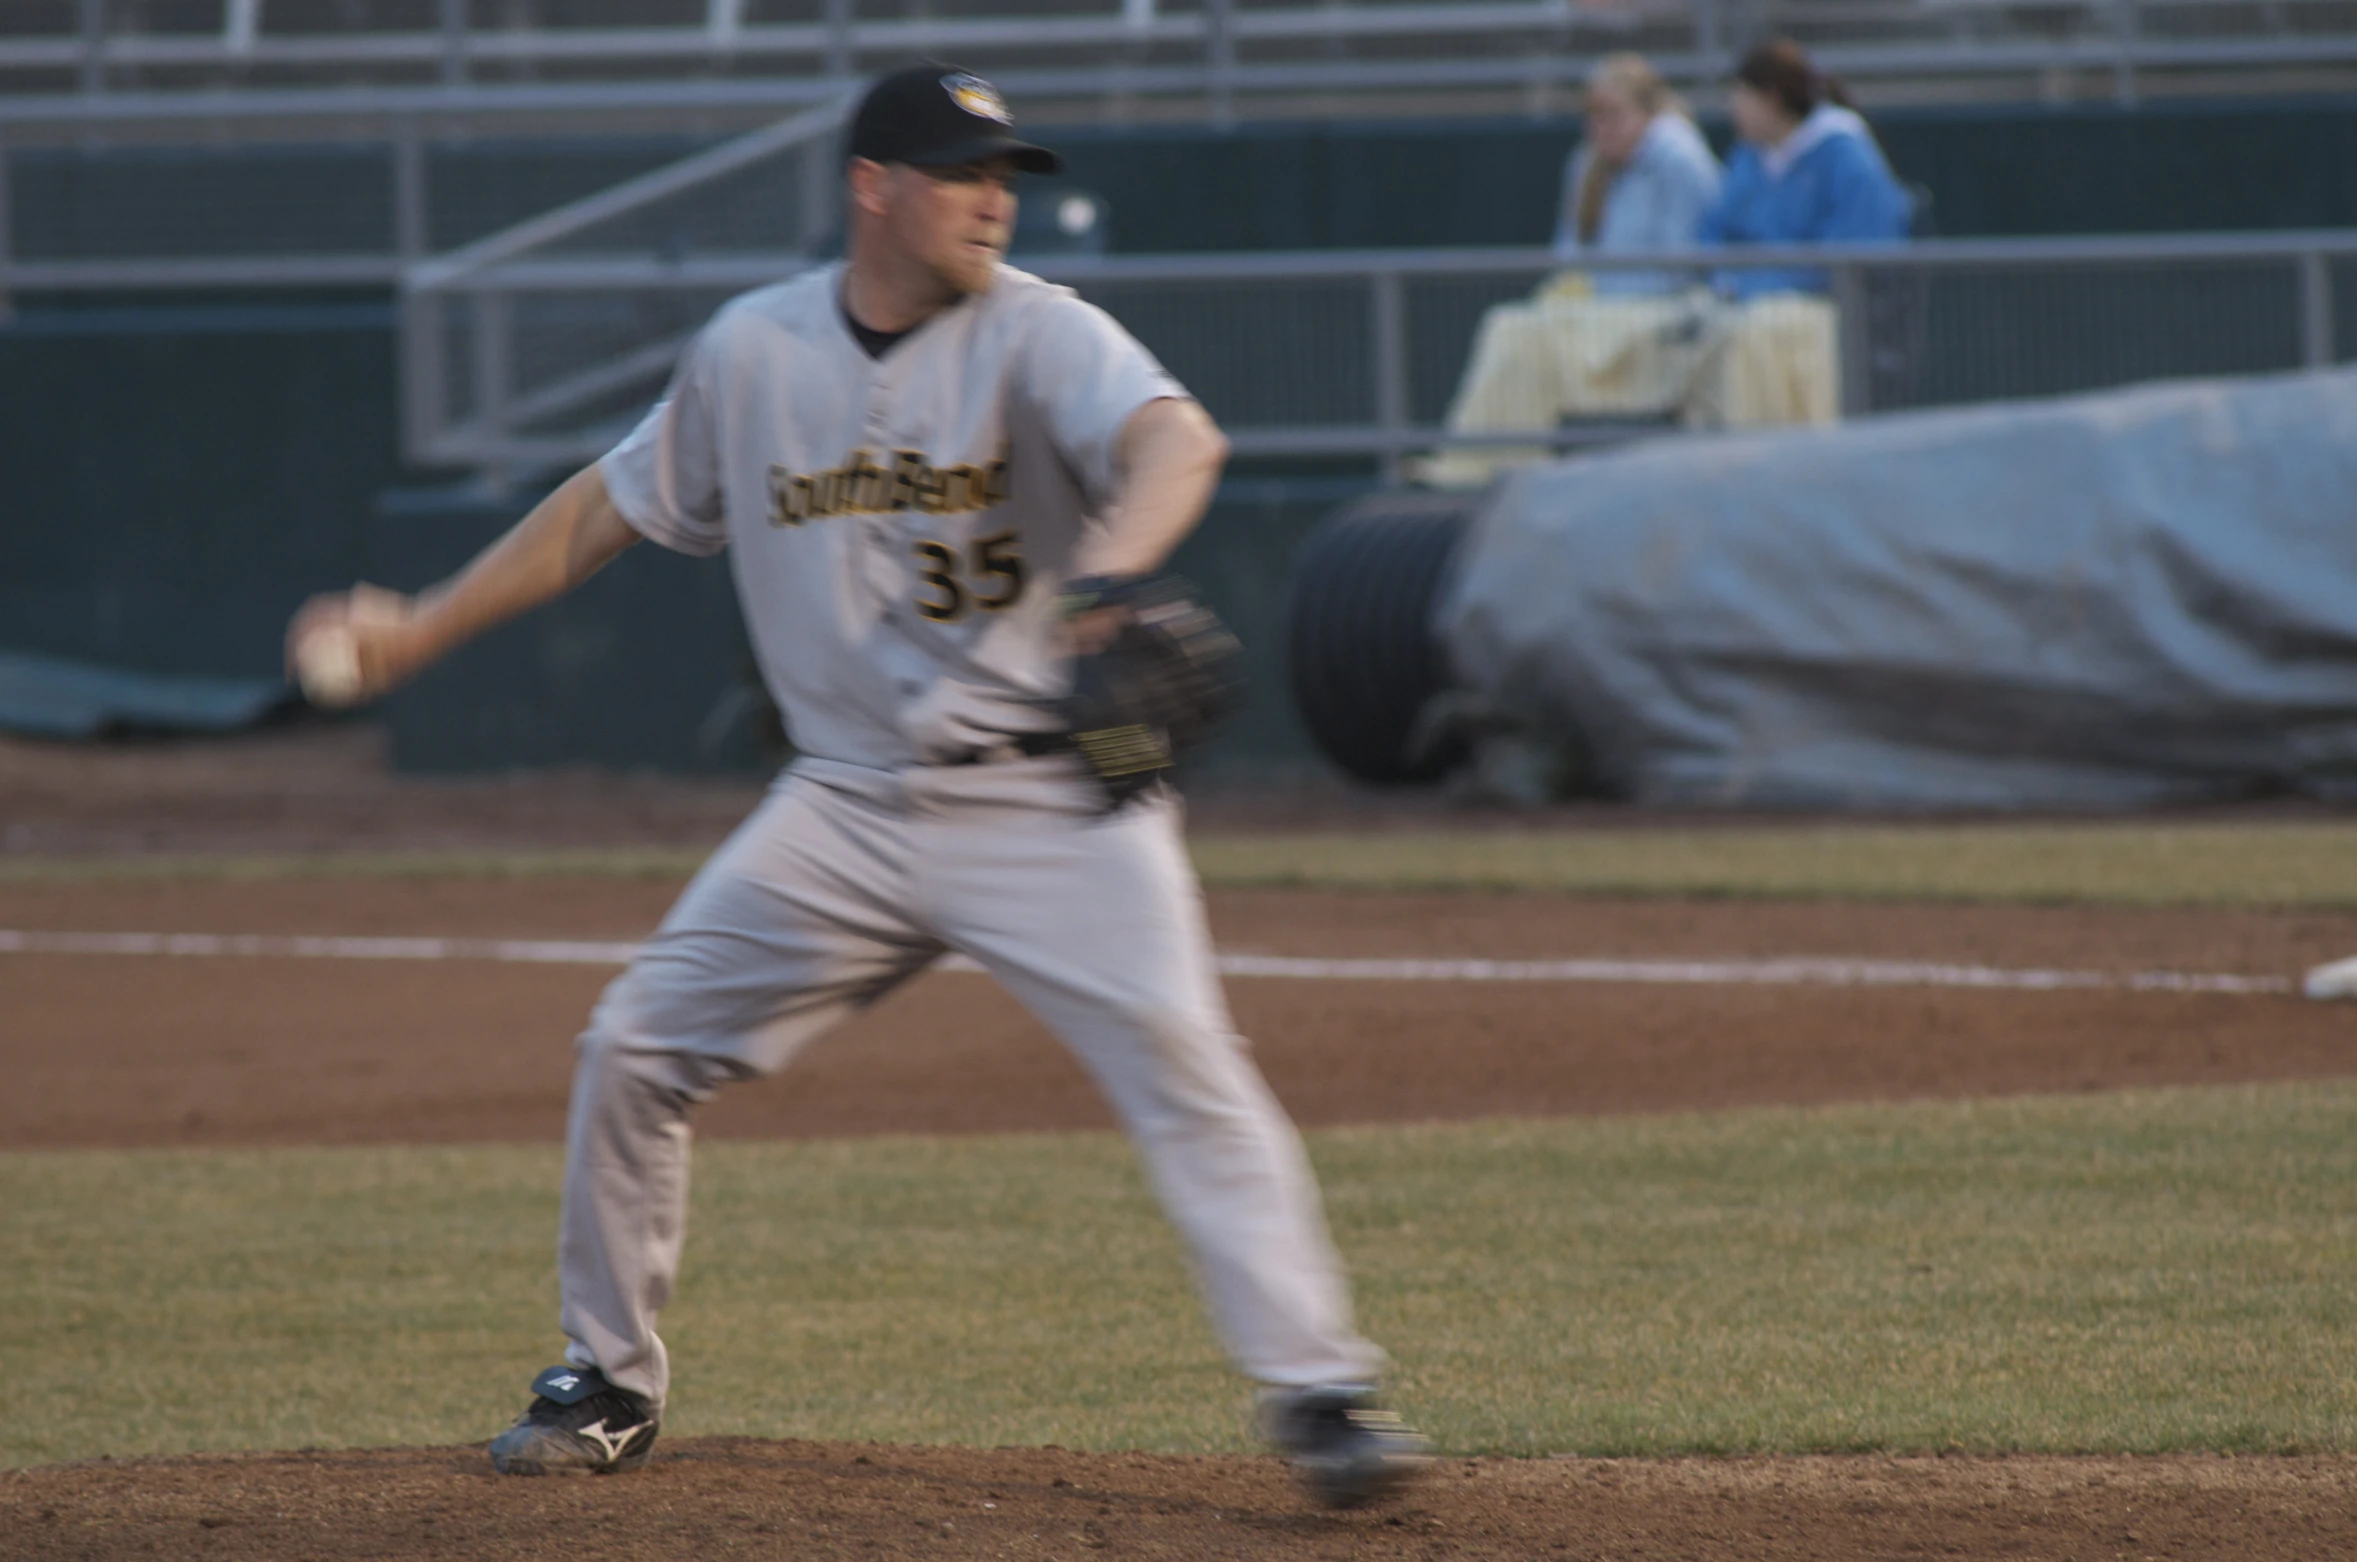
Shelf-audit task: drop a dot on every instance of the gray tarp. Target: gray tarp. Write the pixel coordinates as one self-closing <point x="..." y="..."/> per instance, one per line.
<point x="54" y="697"/>
<point x="2140" y="597"/>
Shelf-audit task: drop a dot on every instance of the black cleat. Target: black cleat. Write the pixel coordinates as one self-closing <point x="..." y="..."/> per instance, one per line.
<point x="1348" y="1449"/>
<point x="579" y="1425"/>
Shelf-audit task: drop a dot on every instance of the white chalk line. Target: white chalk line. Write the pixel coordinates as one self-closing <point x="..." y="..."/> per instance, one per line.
<point x="1810" y="972"/>
<point x="526" y="951"/>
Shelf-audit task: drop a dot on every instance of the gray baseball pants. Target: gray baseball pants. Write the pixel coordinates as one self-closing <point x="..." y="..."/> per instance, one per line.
<point x="847" y="881"/>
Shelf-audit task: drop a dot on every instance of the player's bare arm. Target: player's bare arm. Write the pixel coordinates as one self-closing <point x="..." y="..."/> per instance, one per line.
<point x="1168" y="460"/>
<point x="567" y="537"/>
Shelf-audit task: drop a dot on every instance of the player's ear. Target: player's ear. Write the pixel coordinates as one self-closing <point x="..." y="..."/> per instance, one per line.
<point x="867" y="181"/>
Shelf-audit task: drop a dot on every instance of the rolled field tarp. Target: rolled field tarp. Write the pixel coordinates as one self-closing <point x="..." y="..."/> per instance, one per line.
<point x="2119" y="600"/>
<point x="1361" y="655"/>
<point x="57" y="697"/>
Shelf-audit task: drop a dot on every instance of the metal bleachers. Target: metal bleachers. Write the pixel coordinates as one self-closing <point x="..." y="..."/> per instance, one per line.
<point x="67" y="65"/>
<point x="474" y="157"/>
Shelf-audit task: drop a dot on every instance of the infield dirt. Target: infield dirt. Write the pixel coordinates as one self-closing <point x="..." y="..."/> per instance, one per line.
<point x="732" y="1497"/>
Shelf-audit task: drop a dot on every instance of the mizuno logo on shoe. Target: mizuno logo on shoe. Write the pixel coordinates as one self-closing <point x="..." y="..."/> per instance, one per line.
<point x="608" y="1443"/>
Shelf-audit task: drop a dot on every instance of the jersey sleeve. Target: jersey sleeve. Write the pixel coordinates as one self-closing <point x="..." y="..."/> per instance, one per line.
<point x="1087" y="375"/>
<point x="664" y="478"/>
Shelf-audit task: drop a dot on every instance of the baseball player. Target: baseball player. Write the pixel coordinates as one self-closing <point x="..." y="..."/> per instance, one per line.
<point x="940" y="481"/>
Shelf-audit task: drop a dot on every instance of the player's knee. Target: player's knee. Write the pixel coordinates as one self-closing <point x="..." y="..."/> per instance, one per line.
<point x="654" y="1006"/>
<point x="655" y="996"/>
<point x="615" y="1056"/>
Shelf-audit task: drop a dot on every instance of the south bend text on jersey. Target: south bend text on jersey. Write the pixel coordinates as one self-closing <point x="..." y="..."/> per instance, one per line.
<point x="860" y="487"/>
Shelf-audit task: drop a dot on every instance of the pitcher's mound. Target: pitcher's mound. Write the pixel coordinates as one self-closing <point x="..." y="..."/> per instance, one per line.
<point x="740" y="1497"/>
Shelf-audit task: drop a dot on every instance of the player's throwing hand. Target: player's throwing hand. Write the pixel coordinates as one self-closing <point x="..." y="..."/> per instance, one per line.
<point x="345" y="648"/>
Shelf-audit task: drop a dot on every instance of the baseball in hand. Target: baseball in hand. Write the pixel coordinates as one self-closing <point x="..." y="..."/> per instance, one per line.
<point x="328" y="663"/>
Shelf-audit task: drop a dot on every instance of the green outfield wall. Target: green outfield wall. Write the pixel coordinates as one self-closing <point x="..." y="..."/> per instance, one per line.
<point x="179" y="475"/>
<point x="2013" y="172"/>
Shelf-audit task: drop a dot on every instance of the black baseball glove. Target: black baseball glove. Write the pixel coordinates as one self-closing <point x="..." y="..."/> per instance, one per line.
<point x="1171" y="674"/>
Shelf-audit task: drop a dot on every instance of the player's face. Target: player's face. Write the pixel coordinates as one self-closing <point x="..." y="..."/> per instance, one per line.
<point x="955" y="221"/>
<point x="1615" y="124"/>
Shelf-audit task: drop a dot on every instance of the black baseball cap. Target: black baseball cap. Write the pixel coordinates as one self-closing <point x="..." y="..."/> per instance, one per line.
<point x="938" y="116"/>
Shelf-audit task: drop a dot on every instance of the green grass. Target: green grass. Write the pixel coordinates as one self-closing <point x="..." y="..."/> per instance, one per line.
<point x="2141" y="863"/>
<point x="2138" y="1272"/>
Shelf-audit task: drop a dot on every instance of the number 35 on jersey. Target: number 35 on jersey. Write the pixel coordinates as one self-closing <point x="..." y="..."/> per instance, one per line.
<point x="986" y="574"/>
<point x="989" y="576"/>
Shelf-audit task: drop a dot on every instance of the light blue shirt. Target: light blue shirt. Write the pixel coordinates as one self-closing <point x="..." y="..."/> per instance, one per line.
<point x="1656" y="202"/>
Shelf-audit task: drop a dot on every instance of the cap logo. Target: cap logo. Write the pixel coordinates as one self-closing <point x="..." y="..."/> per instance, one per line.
<point x="976" y="97"/>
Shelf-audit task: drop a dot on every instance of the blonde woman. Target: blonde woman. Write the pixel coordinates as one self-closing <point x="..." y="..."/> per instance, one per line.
<point x="1640" y="179"/>
<point x="1595" y="340"/>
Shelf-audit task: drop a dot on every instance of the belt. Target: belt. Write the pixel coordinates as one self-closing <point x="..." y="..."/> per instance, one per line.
<point x="1016" y="745"/>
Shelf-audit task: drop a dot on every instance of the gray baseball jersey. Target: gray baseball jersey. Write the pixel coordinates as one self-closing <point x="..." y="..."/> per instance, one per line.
<point x="899" y="527"/>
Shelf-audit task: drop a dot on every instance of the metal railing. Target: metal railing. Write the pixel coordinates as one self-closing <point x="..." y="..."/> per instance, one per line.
<point x="122" y="62"/>
<point x="773" y="194"/>
<point x="1357" y="353"/>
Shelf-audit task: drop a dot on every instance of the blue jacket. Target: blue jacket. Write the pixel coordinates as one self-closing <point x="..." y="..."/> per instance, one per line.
<point x="1656" y="202"/>
<point x="1827" y="182"/>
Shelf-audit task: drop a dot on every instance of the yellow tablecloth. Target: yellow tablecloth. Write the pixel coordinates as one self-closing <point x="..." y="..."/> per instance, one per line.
<point x="1713" y="364"/>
